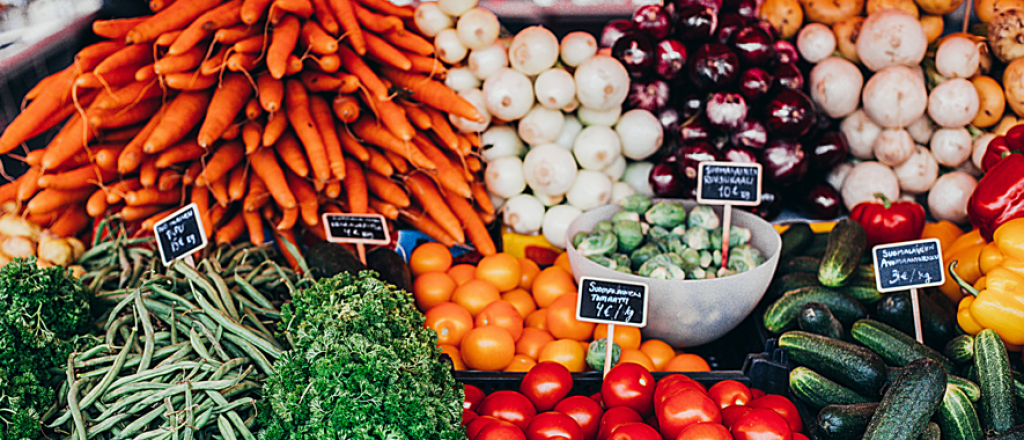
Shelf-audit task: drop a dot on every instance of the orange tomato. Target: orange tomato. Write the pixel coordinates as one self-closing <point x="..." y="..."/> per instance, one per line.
<point x="432" y="288"/>
<point x="520" y="364"/>
<point x="502" y="270"/>
<point x="521" y="300"/>
<point x="451" y="322"/>
<point x="532" y="341"/>
<point x="537" y="319"/>
<point x="550" y="284"/>
<point x="562" y="323"/>
<point x="501" y="314"/>
<point x="488" y="348"/>
<point x="635" y="356"/>
<point x="462" y="273"/>
<point x="528" y="271"/>
<point x="563" y="261"/>
<point x="475" y="295"/>
<point x="687" y="362"/>
<point x="625" y="336"/>
<point x="566" y="352"/>
<point x="454" y="354"/>
<point x="430" y="257"/>
<point x="659" y="351"/>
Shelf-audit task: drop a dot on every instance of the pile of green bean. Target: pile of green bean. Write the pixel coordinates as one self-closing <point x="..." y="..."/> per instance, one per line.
<point x="186" y="349"/>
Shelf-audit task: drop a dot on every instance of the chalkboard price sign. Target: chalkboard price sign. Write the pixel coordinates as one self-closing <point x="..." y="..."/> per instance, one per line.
<point x="180" y="234"/>
<point x="729" y="183"/>
<point x="356" y="228"/>
<point x="612" y="302"/>
<point x="909" y="264"/>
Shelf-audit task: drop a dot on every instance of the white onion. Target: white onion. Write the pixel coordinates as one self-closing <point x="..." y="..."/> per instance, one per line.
<point x="557" y="221"/>
<point x="918" y="173"/>
<point x="891" y="37"/>
<point x="549" y="169"/>
<point x="572" y="106"/>
<point x="570" y="129"/>
<point x="815" y="42"/>
<point x="590" y="190"/>
<point x="500" y="141"/>
<point x="549" y="200"/>
<point x="835" y="86"/>
<point x="533" y="50"/>
<point x="949" y="195"/>
<point x="957" y="57"/>
<point x="448" y="47"/>
<point x="596" y="147"/>
<point x="504" y="176"/>
<point x="640" y="132"/>
<point x="456" y="8"/>
<point x="607" y="118"/>
<point x="838" y="174"/>
<point x="638" y="175"/>
<point x="555" y="88"/>
<point x="893" y="146"/>
<point x="602" y="83"/>
<point x="488" y="60"/>
<point x="979" y="148"/>
<point x="860" y="132"/>
<point x="577" y="47"/>
<point x="895" y="96"/>
<point x="621" y="190"/>
<point x="475" y="97"/>
<point x="460" y="78"/>
<point x="430" y="19"/>
<point x="951" y="146"/>
<point x="478" y="28"/>
<point x="954" y="103"/>
<point x="524" y="214"/>
<point x="508" y="94"/>
<point x="921" y="130"/>
<point x="541" y="125"/>
<point x="867" y="179"/>
<point x="616" y="169"/>
<point x="496" y="200"/>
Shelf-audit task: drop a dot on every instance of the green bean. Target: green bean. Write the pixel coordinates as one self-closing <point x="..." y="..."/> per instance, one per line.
<point x="239" y="389"/>
<point x="251" y="291"/>
<point x="233" y="349"/>
<point x="222" y="289"/>
<point x="189" y="413"/>
<point x="106" y="424"/>
<point x="113" y="328"/>
<point x="256" y="271"/>
<point x="198" y="373"/>
<point x="104" y="247"/>
<point x="76" y="412"/>
<point x="97" y="277"/>
<point x="184" y="348"/>
<point x="256" y="355"/>
<point x="147" y="328"/>
<point x="180" y="389"/>
<point x="195" y="277"/>
<point x="217" y="349"/>
<point x="234" y="327"/>
<point x="134" y="387"/>
<point x="139" y="423"/>
<point x="197" y="344"/>
<point x="143" y="253"/>
<point x="160" y="371"/>
<point x="88" y="354"/>
<point x="227" y="367"/>
<point x="245" y="401"/>
<point x="160" y="290"/>
<point x="204" y="418"/>
<point x="104" y="384"/>
<point x="126" y="267"/>
<point x="224" y="426"/>
<point x="262" y="330"/>
<point x="172" y="418"/>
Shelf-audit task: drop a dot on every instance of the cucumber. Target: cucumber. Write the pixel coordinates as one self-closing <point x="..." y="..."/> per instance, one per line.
<point x="853" y="366"/>
<point x="846" y="244"/>
<point x="1018" y="385"/>
<point x="819" y="391"/>
<point x="897" y="310"/>
<point x="781" y="315"/>
<point x="993" y="365"/>
<point x="865" y="294"/>
<point x="960" y="349"/>
<point x="801" y="264"/>
<point x="845" y="422"/>
<point x="957" y="417"/>
<point x="971" y="389"/>
<point x="894" y="346"/>
<point x="931" y="432"/>
<point x="790" y="281"/>
<point x="909" y="403"/>
<point x="816" y="318"/>
<point x="796" y="238"/>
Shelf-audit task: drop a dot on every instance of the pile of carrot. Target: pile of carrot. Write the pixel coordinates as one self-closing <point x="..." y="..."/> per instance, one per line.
<point x="258" y="111"/>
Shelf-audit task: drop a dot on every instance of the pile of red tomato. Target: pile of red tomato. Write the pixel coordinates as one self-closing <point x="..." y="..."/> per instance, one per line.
<point x="630" y="406"/>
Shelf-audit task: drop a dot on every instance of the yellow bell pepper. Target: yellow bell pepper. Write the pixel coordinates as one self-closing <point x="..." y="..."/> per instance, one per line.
<point x="964" y="318"/>
<point x="1010" y="238"/>
<point x="946" y="231"/>
<point x="967" y="268"/>
<point x="998" y="301"/>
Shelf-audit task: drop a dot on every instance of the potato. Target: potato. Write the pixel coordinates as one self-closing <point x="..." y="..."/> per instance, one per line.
<point x="938" y="7"/>
<point x="830" y="12"/>
<point x="786" y="16"/>
<point x="986" y="10"/>
<point x="1013" y="82"/>
<point x="932" y="25"/>
<point x="1006" y="35"/>
<point x="907" y="6"/>
<point x="847" y="32"/>
<point x="990" y="99"/>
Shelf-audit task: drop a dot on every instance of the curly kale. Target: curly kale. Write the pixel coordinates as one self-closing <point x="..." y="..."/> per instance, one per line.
<point x="363" y="367"/>
<point x="44" y="312"/>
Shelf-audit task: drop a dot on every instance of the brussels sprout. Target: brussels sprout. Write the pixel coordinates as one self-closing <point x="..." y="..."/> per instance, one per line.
<point x="629" y="233"/>
<point x="643" y="253"/>
<point x="637" y="203"/>
<point x="674" y="243"/>
<point x="691" y="256"/>
<point x="603" y="225"/>
<point x="656" y="232"/>
<point x="598" y="243"/>
<point x="661" y="267"/>
<point x="724" y="272"/>
<point x="702" y="216"/>
<point x="604" y="261"/>
<point x="706" y="258"/>
<point x="673" y="258"/>
<point x="697" y="238"/>
<point x="578" y="238"/>
<point x="623" y="269"/>
<point x="597" y="350"/>
<point x="679" y="230"/>
<point x="744" y="257"/>
<point x="666" y="214"/>
<point x="622" y="260"/>
<point x="625" y="215"/>
<point x="737" y="236"/>
<point x="698" y="273"/>
<point x="716" y="257"/>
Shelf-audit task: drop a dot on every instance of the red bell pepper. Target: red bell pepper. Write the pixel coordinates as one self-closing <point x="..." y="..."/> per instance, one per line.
<point x="889" y="222"/>
<point x="1001" y="146"/>
<point x="999" y="196"/>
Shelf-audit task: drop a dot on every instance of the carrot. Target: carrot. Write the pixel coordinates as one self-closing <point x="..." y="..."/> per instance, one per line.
<point x="277" y="123"/>
<point x="317" y="39"/>
<point x="332" y="190"/>
<point x="294" y="65"/>
<point x="253" y="109"/>
<point x="210" y="21"/>
<point x="324" y="120"/>
<point x="70" y="140"/>
<point x="47" y="81"/>
<point x="486" y="217"/>
<point x="270" y="92"/>
<point x="253" y="10"/>
<point x="223" y="160"/>
<point x="167" y="38"/>
<point x="49" y="102"/>
<point x="190" y="81"/>
<point x="133" y="213"/>
<point x="281" y="237"/>
<point x="96" y="206"/>
<point x="257" y="195"/>
<point x="253" y="44"/>
<point x="133" y="92"/>
<point x="219" y="189"/>
<point x="182" y="62"/>
<point x="418" y="116"/>
<point x="149" y="173"/>
<point x="243" y="61"/>
<point x="282" y="42"/>
<point x="233" y="34"/>
<point x="88" y="175"/>
<point x="443" y="129"/>
<point x="131" y="55"/>
<point x="432" y="92"/>
<point x="29" y="185"/>
<point x="301" y="8"/>
<point x="352" y="146"/>
<point x="345" y="13"/>
<point x="116" y="191"/>
<point x="387" y="190"/>
<point x="346" y="108"/>
<point x="482" y="199"/>
<point x="384" y="52"/>
<point x="299" y="115"/>
<point x="426" y="225"/>
<point x="176" y="16"/>
<point x="473" y="163"/>
<point x="49" y="200"/>
<point x="9" y="190"/>
<point x="398" y="162"/>
<point x="379" y="164"/>
<point x="90" y="56"/>
<point x="355" y="187"/>
<point x="320" y="82"/>
<point x="201" y="197"/>
<point x="426" y="193"/>
<point x="232" y="230"/>
<point x="183" y="113"/>
<point x="159" y="5"/>
<point x="169" y="179"/>
<point x="374" y="22"/>
<point x="109" y="80"/>
<point x="231" y="133"/>
<point x="355" y="65"/>
<point x="34" y="158"/>
<point x="152" y="196"/>
<point x="370" y="132"/>
<point x="78" y="159"/>
<point x="254" y="224"/>
<point x="73" y="220"/>
<point x="149" y="223"/>
<point x="448" y="175"/>
<point x="291" y="153"/>
<point x="384" y="208"/>
<point x="410" y="42"/>
<point x="474" y="225"/>
<point x="44" y="220"/>
<point x="306" y="197"/>
<point x="225" y="104"/>
<point x="329" y="63"/>
<point x="264" y="163"/>
<point x="146" y="73"/>
<point x="120" y="136"/>
<point x="323" y="13"/>
<point x="387" y="7"/>
<point x="118" y="118"/>
<point x="251" y="136"/>
<point x="217" y="213"/>
<point x="238" y="180"/>
<point x="428" y="65"/>
<point x="288" y="219"/>
<point x="394" y="118"/>
<point x="115" y="29"/>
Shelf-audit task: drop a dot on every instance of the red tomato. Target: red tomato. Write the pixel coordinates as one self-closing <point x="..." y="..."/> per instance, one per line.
<point x="761" y="424"/>
<point x="755" y="393"/>
<point x="500" y="431"/>
<point x="783" y="406"/>
<point x="629" y="385"/>
<point x="704" y="431"/>
<point x="652" y="421"/>
<point x="799" y="436"/>
<point x="614" y="417"/>
<point x="509" y="406"/>
<point x="467" y="415"/>
<point x="685" y="408"/>
<point x="474" y="426"/>
<point x="671" y="388"/>
<point x="473" y="397"/>
<point x="680" y="377"/>
<point x="553" y="426"/>
<point x="634" y="431"/>
<point x="546" y="384"/>
<point x="731" y="414"/>
<point x="585" y="411"/>
<point x="597" y="398"/>
<point x="729" y="393"/>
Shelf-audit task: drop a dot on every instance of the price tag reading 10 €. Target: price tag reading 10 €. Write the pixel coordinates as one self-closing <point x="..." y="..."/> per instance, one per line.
<point x="180" y="234"/>
<point x="729" y="183"/>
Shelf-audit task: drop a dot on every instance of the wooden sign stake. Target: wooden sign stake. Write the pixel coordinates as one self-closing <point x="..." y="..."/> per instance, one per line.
<point x="916" y="305"/>
<point x="608" y="349"/>
<point x="361" y="249"/>
<point x="190" y="261"/>
<point x="726" y="223"/>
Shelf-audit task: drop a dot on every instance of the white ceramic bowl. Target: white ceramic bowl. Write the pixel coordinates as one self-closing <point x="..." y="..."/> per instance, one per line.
<point x="687" y="313"/>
